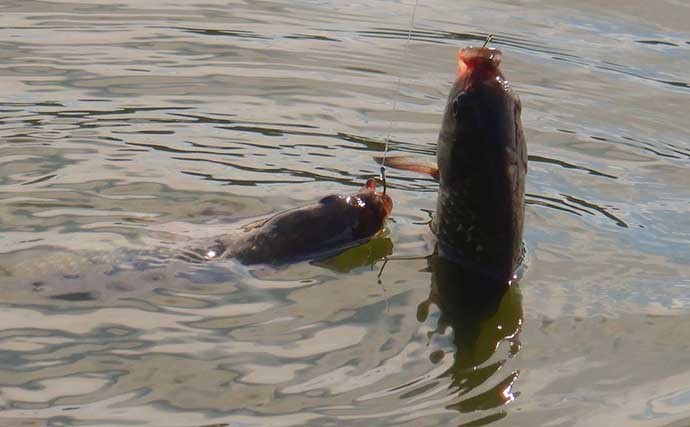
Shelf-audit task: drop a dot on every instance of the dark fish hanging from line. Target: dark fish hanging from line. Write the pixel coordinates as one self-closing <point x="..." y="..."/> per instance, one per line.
<point x="481" y="167"/>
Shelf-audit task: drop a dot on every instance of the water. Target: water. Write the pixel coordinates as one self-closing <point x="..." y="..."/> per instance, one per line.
<point x="130" y="129"/>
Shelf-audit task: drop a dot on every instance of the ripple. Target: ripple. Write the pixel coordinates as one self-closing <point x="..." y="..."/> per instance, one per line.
<point x="575" y="206"/>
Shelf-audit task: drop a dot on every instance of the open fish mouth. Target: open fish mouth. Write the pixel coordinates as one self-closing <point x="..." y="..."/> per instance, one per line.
<point x="480" y="59"/>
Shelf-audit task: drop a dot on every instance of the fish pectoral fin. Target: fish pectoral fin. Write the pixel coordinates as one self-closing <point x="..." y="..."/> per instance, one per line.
<point x="410" y="163"/>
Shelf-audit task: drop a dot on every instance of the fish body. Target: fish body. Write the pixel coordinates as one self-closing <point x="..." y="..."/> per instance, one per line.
<point x="481" y="168"/>
<point x="336" y="222"/>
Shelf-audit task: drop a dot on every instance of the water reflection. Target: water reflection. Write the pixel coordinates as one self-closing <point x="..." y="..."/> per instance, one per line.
<point x="485" y="316"/>
<point x="366" y="254"/>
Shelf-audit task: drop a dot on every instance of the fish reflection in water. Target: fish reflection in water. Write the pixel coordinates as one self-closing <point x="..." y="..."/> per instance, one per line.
<point x="367" y="254"/>
<point x="485" y="315"/>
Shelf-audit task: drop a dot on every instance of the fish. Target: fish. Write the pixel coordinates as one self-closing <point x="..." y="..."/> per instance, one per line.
<point x="334" y="223"/>
<point x="481" y="165"/>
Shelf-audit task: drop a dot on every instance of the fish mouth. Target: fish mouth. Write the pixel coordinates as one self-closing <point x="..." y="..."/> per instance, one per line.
<point x="478" y="63"/>
<point x="385" y="199"/>
<point x="370" y="185"/>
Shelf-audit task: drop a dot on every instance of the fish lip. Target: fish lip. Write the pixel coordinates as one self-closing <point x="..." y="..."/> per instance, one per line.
<point x="370" y="185"/>
<point x="486" y="55"/>
<point x="482" y="62"/>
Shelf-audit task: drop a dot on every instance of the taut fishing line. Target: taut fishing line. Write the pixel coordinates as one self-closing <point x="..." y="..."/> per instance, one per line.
<point x="396" y="94"/>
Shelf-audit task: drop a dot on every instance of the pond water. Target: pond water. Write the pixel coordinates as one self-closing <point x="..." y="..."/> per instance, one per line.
<point x="130" y="129"/>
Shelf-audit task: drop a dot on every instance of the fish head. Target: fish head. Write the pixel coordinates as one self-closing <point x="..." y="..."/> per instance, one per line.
<point x="481" y="100"/>
<point x="372" y="209"/>
<point x="376" y="197"/>
<point x="478" y="63"/>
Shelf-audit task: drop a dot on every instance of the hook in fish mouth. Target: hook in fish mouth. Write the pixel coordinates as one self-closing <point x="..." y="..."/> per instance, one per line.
<point x="482" y="60"/>
<point x="386" y="200"/>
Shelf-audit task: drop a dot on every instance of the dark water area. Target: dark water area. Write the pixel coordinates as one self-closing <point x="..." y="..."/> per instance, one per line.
<point x="129" y="130"/>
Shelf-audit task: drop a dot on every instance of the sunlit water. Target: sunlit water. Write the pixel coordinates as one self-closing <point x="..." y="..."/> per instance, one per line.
<point x="129" y="130"/>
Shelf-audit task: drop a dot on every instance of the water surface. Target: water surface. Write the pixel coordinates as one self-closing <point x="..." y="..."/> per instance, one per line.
<point x="131" y="130"/>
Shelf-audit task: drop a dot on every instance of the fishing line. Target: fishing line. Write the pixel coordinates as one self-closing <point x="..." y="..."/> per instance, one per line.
<point x="396" y="94"/>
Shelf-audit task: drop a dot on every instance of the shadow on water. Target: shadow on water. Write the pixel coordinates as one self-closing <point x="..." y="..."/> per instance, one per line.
<point x="484" y="315"/>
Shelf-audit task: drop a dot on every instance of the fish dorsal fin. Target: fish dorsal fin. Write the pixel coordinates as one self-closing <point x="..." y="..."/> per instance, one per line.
<point x="330" y="199"/>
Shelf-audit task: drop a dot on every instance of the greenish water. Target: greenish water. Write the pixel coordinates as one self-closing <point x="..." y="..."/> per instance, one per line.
<point x="129" y="130"/>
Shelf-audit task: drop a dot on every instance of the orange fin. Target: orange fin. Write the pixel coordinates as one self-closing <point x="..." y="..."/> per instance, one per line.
<point x="410" y="163"/>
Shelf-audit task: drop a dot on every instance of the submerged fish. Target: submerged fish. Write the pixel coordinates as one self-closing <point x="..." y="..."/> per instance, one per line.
<point x="481" y="166"/>
<point x="335" y="223"/>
